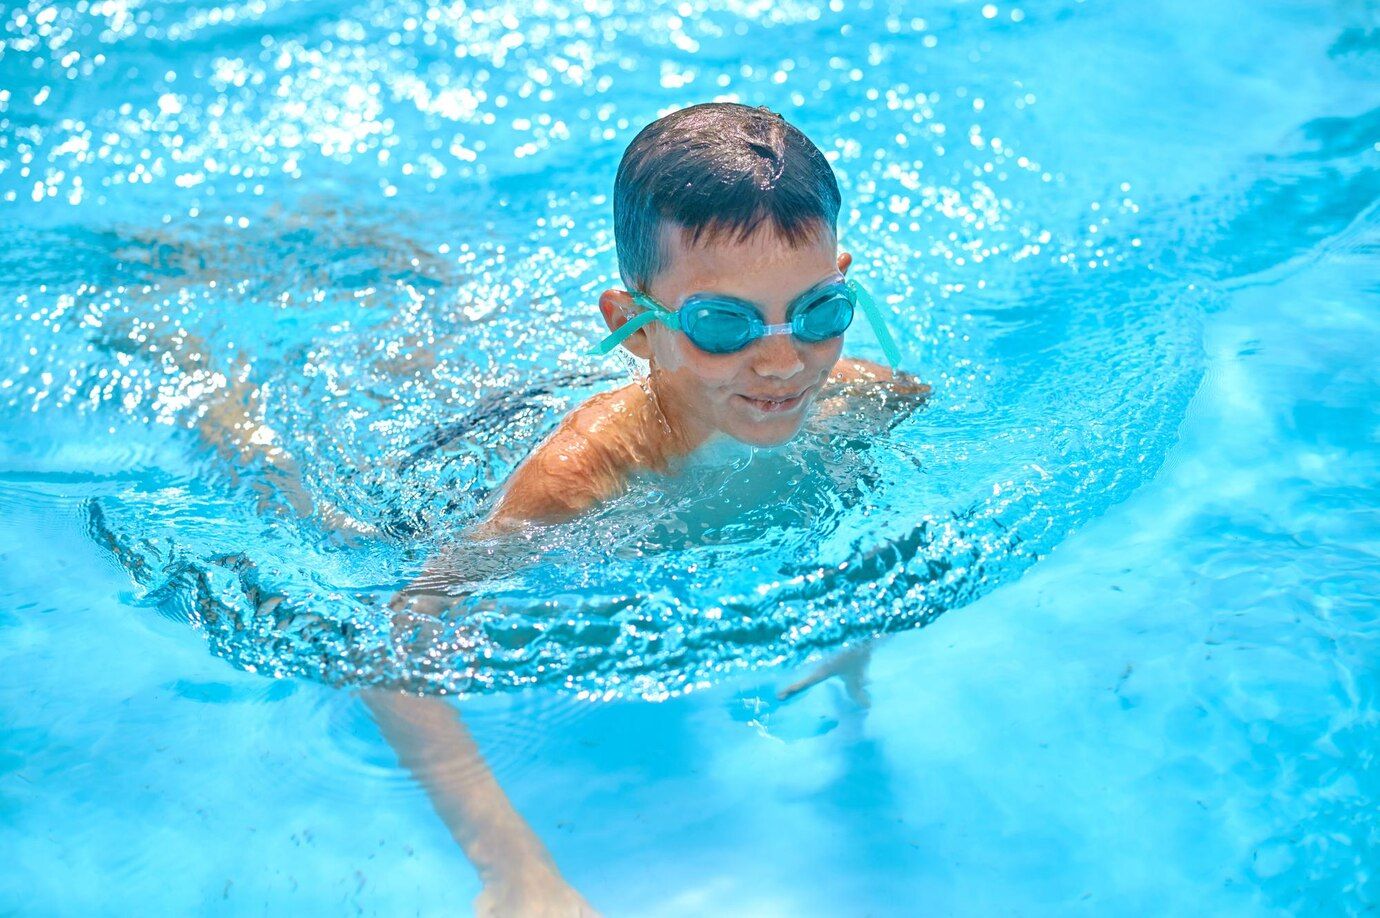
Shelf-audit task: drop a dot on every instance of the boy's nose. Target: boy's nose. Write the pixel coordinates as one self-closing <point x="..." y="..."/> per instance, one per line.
<point x="775" y="356"/>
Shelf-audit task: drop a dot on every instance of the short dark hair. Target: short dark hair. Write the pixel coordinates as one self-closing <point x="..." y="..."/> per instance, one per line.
<point x="716" y="169"/>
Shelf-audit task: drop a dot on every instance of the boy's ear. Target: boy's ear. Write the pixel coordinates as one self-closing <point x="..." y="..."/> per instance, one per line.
<point x="845" y="259"/>
<point x="617" y="308"/>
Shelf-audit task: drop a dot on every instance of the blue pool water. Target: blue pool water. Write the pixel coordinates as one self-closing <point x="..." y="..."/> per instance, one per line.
<point x="1135" y="249"/>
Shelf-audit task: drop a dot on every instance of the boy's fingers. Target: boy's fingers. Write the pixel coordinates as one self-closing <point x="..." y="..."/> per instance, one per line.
<point x="818" y="675"/>
<point x="795" y="688"/>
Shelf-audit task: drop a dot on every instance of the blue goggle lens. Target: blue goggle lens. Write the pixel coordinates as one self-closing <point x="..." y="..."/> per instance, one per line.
<point x="723" y="326"/>
<point x="719" y="328"/>
<point x="825" y="317"/>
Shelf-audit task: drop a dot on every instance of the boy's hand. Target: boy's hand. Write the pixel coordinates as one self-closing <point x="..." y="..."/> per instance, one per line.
<point x="849" y="665"/>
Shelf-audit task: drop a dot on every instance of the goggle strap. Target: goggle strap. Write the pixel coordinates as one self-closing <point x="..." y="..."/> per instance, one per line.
<point x="628" y="329"/>
<point x="874" y="318"/>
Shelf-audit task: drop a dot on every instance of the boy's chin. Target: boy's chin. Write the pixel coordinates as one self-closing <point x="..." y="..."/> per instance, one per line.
<point x="766" y="434"/>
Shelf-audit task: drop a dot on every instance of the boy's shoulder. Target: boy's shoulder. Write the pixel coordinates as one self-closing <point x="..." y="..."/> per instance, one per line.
<point x="586" y="459"/>
<point x="621" y="413"/>
<point x="850" y="372"/>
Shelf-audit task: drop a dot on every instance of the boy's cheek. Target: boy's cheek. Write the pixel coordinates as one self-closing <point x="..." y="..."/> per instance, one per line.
<point x="698" y="377"/>
<point x="709" y="369"/>
<point x="833" y="350"/>
<point x="675" y="353"/>
<point x="666" y="353"/>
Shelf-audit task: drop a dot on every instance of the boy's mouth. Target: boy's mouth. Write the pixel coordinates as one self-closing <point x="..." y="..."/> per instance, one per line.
<point x="776" y="404"/>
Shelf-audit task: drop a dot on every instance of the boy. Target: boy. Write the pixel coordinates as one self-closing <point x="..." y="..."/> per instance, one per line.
<point x="725" y="223"/>
<point x="716" y="205"/>
<point x="719" y="199"/>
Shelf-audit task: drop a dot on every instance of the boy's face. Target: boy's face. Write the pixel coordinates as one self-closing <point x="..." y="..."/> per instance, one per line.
<point x="760" y="394"/>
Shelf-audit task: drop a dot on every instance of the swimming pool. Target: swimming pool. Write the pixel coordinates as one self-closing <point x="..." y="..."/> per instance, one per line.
<point x="1136" y="254"/>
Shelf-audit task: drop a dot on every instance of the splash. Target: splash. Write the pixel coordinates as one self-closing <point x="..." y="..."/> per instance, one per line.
<point x="376" y="239"/>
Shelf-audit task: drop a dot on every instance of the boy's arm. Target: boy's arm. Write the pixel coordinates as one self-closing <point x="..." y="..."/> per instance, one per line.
<point x="564" y="476"/>
<point x="518" y="874"/>
<point x="427" y="734"/>
<point x="430" y="740"/>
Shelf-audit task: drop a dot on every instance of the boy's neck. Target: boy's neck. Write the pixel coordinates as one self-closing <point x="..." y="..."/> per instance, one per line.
<point x="680" y="432"/>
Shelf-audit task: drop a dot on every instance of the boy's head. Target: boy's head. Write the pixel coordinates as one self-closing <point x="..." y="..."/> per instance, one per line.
<point x="725" y="198"/>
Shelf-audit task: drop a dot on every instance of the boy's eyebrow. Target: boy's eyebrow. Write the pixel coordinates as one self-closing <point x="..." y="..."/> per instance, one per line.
<point x="791" y="299"/>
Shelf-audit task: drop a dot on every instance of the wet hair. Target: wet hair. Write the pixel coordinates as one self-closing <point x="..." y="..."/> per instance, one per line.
<point x="719" y="170"/>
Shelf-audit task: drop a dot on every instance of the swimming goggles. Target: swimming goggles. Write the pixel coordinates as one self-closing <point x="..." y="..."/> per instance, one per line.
<point x="720" y="324"/>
